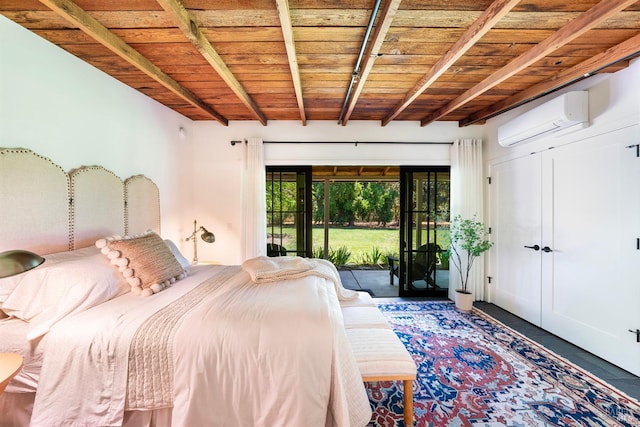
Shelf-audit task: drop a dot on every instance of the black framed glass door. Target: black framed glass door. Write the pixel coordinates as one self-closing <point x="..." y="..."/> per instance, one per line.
<point x="289" y="210"/>
<point x="424" y="231"/>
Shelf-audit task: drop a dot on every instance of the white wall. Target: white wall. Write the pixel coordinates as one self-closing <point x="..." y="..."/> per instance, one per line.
<point x="614" y="103"/>
<point x="64" y="109"/>
<point x="218" y="165"/>
<point x="581" y="200"/>
<point x="72" y="113"/>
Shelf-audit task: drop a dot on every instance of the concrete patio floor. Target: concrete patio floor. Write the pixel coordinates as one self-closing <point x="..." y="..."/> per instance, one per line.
<point x="377" y="281"/>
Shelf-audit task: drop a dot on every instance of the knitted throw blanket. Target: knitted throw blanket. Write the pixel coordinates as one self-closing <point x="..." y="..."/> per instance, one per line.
<point x="264" y="269"/>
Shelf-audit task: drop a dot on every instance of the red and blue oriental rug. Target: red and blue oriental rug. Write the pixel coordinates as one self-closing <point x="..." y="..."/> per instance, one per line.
<point x="475" y="371"/>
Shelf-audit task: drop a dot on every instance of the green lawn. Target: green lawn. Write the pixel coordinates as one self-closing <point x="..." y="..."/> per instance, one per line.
<point x="362" y="242"/>
<point x="359" y="241"/>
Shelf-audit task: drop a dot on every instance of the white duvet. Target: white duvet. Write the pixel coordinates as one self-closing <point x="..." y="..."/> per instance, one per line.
<point x="245" y="354"/>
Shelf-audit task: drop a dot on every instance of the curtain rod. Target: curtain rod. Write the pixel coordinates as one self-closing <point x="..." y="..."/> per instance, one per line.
<point x="352" y="142"/>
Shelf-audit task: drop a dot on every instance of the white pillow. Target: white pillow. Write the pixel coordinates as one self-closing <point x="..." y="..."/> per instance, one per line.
<point x="70" y="255"/>
<point x="47" y="294"/>
<point x="8" y="284"/>
<point x="176" y="253"/>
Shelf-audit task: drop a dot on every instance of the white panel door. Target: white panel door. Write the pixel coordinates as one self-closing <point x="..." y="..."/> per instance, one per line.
<point x="515" y="204"/>
<point x="591" y="221"/>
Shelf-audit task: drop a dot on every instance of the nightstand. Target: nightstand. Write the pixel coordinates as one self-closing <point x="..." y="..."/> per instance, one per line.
<point x="10" y="365"/>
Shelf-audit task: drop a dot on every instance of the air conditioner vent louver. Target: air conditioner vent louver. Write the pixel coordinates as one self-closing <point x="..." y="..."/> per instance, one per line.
<point x="565" y="113"/>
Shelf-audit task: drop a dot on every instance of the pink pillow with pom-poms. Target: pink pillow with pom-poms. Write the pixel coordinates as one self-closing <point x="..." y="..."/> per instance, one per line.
<point x="145" y="261"/>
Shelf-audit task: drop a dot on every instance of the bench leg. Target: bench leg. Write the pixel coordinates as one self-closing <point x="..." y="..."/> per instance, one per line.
<point x="408" y="402"/>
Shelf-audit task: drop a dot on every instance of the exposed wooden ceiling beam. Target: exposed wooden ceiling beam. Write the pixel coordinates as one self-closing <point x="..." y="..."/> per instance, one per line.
<point x="580" y="25"/>
<point x="494" y="13"/>
<point x="584" y="69"/>
<point x="187" y="23"/>
<point x="384" y="23"/>
<point x="88" y="24"/>
<point x="287" y="33"/>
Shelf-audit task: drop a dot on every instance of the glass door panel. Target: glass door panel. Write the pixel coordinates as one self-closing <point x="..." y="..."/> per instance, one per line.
<point x="288" y="192"/>
<point x="424" y="225"/>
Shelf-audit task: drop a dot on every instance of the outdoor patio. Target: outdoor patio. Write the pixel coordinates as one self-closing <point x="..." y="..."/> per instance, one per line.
<point x="377" y="281"/>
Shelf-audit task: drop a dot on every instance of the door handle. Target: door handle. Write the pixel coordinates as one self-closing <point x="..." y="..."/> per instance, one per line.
<point x="534" y="247"/>
<point x="547" y="249"/>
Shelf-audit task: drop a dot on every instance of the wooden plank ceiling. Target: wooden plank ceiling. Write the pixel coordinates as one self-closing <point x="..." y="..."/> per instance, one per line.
<point x="378" y="60"/>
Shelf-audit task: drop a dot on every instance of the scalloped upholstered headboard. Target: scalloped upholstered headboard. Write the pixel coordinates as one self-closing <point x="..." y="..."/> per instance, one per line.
<point x="45" y="210"/>
<point x="97" y="205"/>
<point x="34" y="203"/>
<point x="142" y="205"/>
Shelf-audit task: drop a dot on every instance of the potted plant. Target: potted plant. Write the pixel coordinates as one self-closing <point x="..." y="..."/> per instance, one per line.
<point x="467" y="235"/>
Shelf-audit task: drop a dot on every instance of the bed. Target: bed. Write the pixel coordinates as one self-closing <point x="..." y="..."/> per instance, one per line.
<point x="258" y="344"/>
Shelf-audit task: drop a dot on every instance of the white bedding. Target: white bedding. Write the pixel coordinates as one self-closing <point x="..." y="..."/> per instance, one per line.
<point x="270" y="354"/>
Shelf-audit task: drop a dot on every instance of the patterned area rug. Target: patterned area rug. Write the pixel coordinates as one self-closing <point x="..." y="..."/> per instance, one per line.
<point x="473" y="370"/>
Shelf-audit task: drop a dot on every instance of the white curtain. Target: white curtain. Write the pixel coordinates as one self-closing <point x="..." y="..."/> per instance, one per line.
<point x="254" y="214"/>
<point x="467" y="200"/>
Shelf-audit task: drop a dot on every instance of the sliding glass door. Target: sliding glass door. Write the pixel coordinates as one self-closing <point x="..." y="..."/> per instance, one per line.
<point x="289" y="210"/>
<point x="424" y="231"/>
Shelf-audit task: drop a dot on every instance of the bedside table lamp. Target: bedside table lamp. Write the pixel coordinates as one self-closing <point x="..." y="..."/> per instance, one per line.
<point x="18" y="261"/>
<point x="207" y="236"/>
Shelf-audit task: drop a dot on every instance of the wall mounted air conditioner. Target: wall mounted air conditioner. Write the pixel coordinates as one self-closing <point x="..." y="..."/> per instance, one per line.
<point x="561" y="115"/>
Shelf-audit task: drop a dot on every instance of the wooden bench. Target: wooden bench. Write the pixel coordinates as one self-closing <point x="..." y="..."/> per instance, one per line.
<point x="380" y="354"/>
